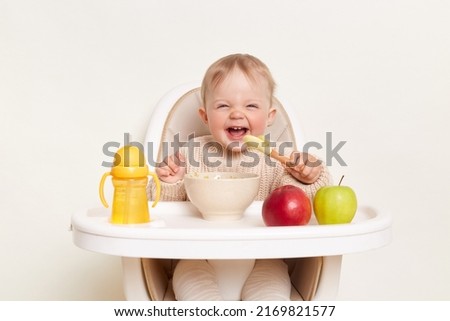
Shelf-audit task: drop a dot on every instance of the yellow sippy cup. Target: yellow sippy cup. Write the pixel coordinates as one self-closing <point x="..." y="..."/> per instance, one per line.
<point x="129" y="178"/>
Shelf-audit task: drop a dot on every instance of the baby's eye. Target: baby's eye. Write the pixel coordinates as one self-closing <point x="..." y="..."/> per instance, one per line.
<point x="222" y="106"/>
<point x="252" y="106"/>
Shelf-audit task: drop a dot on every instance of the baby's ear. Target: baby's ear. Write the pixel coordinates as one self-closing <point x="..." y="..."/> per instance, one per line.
<point x="203" y="115"/>
<point x="271" y="116"/>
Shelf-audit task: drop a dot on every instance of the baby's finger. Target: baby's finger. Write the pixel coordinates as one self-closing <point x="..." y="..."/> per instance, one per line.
<point x="178" y="159"/>
<point x="312" y="173"/>
<point x="181" y="159"/>
<point x="172" y="164"/>
<point x="306" y="171"/>
<point x="300" y="170"/>
<point x="163" y="171"/>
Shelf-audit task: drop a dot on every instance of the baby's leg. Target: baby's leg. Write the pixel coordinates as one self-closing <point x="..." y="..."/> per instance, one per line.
<point x="269" y="281"/>
<point x="195" y="280"/>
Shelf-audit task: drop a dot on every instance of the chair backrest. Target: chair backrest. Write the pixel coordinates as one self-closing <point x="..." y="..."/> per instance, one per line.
<point x="175" y="117"/>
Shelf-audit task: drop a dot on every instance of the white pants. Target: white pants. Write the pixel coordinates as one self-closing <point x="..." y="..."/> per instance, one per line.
<point x="197" y="280"/>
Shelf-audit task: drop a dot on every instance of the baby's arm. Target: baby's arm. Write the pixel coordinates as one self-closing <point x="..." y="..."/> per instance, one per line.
<point x="172" y="169"/>
<point x="170" y="173"/>
<point x="323" y="179"/>
<point x="304" y="167"/>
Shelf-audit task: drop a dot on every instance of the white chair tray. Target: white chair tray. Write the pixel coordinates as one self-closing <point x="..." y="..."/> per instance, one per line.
<point x="177" y="230"/>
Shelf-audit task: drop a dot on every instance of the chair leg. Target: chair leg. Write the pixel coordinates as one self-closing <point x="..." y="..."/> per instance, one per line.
<point x="329" y="278"/>
<point x="134" y="285"/>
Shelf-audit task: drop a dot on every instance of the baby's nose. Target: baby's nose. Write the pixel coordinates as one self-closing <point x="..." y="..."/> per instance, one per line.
<point x="236" y="114"/>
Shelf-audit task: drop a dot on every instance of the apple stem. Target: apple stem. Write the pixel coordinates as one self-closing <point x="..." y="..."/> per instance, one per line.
<point x="340" y="181"/>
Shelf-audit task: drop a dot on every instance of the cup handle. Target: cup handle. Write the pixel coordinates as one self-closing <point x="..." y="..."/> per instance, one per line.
<point x="100" y="189"/>
<point x="158" y="187"/>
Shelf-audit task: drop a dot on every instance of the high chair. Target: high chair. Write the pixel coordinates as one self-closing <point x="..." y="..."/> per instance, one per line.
<point x="150" y="252"/>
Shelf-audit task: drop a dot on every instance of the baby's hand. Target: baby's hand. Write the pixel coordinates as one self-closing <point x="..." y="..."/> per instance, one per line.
<point x="172" y="169"/>
<point x="304" y="167"/>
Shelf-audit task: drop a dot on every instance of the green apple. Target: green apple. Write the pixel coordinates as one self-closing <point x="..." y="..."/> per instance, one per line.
<point x="335" y="204"/>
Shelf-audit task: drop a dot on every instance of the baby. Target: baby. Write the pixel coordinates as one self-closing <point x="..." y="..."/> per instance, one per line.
<point x="237" y="93"/>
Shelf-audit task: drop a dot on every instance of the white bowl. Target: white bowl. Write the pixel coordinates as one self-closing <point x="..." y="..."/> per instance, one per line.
<point x="221" y="196"/>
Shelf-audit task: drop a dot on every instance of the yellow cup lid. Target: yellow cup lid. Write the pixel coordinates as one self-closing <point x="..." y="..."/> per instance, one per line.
<point x="129" y="162"/>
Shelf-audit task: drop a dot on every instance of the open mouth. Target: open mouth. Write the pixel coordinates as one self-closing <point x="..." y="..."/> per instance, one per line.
<point x="237" y="132"/>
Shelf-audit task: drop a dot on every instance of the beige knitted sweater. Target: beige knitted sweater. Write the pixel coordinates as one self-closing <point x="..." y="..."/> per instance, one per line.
<point x="207" y="156"/>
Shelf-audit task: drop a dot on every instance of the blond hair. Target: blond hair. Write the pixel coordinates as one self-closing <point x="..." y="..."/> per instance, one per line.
<point x="251" y="66"/>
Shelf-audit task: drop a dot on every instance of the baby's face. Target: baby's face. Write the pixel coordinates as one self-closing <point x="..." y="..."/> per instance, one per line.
<point x="237" y="107"/>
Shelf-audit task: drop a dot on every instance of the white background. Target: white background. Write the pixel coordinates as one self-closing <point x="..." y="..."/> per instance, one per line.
<point x="77" y="74"/>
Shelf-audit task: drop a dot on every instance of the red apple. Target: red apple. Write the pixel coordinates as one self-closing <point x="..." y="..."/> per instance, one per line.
<point x="287" y="205"/>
